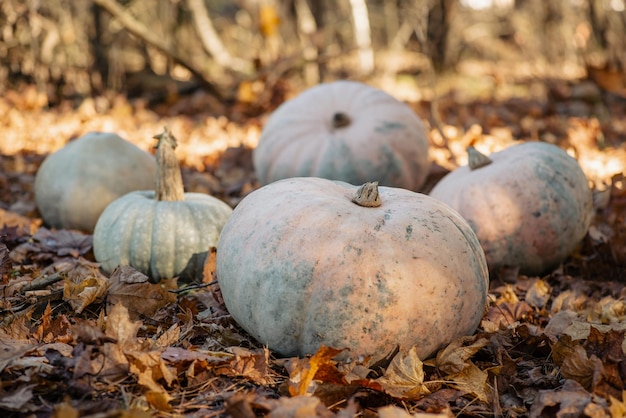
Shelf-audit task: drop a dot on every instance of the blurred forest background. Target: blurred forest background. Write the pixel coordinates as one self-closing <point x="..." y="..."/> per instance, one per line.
<point x="255" y="51"/>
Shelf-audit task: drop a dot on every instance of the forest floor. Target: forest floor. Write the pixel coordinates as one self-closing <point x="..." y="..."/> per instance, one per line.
<point x="75" y="342"/>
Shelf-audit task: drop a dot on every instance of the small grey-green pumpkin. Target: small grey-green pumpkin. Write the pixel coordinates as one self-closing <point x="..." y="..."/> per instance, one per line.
<point x="159" y="232"/>
<point x="75" y="183"/>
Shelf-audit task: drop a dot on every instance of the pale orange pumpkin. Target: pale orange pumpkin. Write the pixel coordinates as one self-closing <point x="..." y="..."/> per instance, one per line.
<point x="305" y="262"/>
<point x="344" y="130"/>
<point x="530" y="204"/>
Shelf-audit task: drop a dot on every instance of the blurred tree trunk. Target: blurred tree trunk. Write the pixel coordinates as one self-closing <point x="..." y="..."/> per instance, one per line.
<point x="362" y="35"/>
<point x="99" y="71"/>
<point x="307" y="27"/>
<point x="440" y="14"/>
<point x="608" y="28"/>
<point x="136" y="28"/>
<point x="210" y="39"/>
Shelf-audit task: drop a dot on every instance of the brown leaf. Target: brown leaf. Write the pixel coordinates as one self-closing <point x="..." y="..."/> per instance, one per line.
<point x="404" y="378"/>
<point x="65" y="410"/>
<point x="299" y="406"/>
<point x="50" y="245"/>
<point x="82" y="291"/>
<point x="169" y="337"/>
<point x="18" y="400"/>
<point x="141" y="298"/>
<point x="454" y="357"/>
<point x="5" y="264"/>
<point x="251" y="364"/>
<point x="559" y="323"/>
<point x="571" y="400"/>
<point x="581" y="368"/>
<point x="123" y="331"/>
<point x="472" y="380"/>
<point x="150" y="369"/>
<point x="160" y="400"/>
<point x="507" y="314"/>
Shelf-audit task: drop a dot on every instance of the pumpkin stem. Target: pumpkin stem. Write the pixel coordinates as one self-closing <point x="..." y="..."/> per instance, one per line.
<point x="367" y="195"/>
<point x="341" y="120"/>
<point x="476" y="159"/>
<point x="169" y="182"/>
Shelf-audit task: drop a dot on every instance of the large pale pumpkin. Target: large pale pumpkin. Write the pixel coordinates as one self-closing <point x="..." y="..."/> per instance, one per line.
<point x="159" y="233"/>
<point x="530" y="204"/>
<point x="344" y="130"/>
<point x="75" y="183"/>
<point x="305" y="262"/>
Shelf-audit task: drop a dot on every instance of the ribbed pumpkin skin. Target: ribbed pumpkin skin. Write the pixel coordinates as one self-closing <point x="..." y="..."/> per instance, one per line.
<point x="300" y="265"/>
<point x="75" y="183"/>
<point x="157" y="238"/>
<point x="384" y="141"/>
<point x="529" y="208"/>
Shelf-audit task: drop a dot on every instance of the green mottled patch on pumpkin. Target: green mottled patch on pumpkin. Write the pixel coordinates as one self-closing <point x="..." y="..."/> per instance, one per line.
<point x="387" y="127"/>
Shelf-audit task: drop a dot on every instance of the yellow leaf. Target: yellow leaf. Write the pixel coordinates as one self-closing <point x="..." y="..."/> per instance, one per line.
<point x="65" y="410"/>
<point x="304" y="370"/>
<point x="617" y="409"/>
<point x="404" y="378"/>
<point x="472" y="380"/>
<point x="538" y="294"/>
<point x="84" y="292"/>
<point x="160" y="400"/>
<point x="268" y="20"/>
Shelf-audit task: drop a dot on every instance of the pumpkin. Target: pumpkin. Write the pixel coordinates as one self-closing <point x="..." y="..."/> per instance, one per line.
<point x="530" y="204"/>
<point x="74" y="184"/>
<point x="344" y="130"/>
<point x="159" y="232"/>
<point x="309" y="262"/>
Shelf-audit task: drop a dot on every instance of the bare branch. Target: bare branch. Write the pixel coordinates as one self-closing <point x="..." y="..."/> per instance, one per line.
<point x="139" y="30"/>
<point x="210" y="39"/>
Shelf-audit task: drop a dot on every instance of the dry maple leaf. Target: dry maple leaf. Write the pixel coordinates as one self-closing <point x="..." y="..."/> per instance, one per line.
<point x="123" y="331"/>
<point x="142" y="298"/>
<point x="87" y="290"/>
<point x="404" y="378"/>
<point x="455" y="356"/>
<point x="252" y="364"/>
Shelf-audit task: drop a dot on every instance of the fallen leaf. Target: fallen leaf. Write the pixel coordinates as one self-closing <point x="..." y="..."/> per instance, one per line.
<point x="141" y="298"/>
<point x="581" y="368"/>
<point x="65" y="410"/>
<point x="18" y="400"/>
<point x="404" y="378"/>
<point x="299" y="406"/>
<point x="571" y="400"/>
<point x="251" y="364"/>
<point x="538" y="294"/>
<point x="302" y="371"/>
<point x="123" y="331"/>
<point x="472" y="380"/>
<point x="82" y="291"/>
<point x="617" y="407"/>
<point x="160" y="400"/>
<point x="454" y="357"/>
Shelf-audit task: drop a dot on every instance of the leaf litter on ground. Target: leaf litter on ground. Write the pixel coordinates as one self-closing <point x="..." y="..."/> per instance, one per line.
<point x="75" y="342"/>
